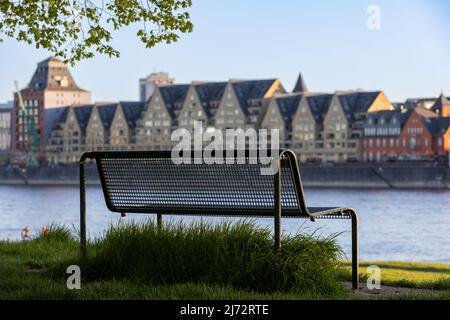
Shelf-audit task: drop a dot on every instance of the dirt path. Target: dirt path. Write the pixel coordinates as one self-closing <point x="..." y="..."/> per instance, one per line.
<point x="363" y="291"/>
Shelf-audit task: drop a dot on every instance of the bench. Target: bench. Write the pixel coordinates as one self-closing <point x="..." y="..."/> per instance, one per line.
<point x="150" y="182"/>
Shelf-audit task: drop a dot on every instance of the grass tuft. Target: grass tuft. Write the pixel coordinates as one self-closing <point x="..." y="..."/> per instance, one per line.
<point x="240" y="255"/>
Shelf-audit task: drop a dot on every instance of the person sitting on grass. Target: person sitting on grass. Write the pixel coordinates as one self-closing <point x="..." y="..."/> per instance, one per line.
<point x="25" y="233"/>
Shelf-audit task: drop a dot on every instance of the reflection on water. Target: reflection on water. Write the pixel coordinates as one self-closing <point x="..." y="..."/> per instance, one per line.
<point x="394" y="224"/>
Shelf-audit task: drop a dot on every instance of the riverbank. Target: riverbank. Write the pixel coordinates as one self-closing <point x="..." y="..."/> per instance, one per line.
<point x="37" y="270"/>
<point x="354" y="175"/>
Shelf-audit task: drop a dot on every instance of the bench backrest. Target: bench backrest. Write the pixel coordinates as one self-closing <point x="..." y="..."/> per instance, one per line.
<point x="150" y="182"/>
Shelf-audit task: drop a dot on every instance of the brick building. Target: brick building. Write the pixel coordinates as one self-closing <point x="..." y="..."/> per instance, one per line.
<point x="51" y="86"/>
<point x="417" y="134"/>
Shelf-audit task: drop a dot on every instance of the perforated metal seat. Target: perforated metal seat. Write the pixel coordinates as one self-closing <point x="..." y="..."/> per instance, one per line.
<point x="151" y="182"/>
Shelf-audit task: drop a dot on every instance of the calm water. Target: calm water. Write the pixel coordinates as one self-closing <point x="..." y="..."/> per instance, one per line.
<point x="394" y="224"/>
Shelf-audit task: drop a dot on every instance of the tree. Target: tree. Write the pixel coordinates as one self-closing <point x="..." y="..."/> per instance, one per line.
<point x="78" y="29"/>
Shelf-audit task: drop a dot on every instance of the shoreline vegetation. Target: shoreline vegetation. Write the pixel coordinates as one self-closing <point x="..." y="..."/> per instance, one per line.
<point x="201" y="261"/>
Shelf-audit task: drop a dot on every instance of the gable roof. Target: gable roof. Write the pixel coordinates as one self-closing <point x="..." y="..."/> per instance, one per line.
<point x="437" y="126"/>
<point x="287" y="105"/>
<point x="49" y="75"/>
<point x="83" y="113"/>
<point x="300" y="85"/>
<point x="357" y="102"/>
<point x="319" y="104"/>
<point x="425" y="113"/>
<point x="52" y="117"/>
<point x="173" y="97"/>
<point x="106" y="113"/>
<point x="441" y="102"/>
<point x="132" y="112"/>
<point x="210" y="92"/>
<point x="246" y="90"/>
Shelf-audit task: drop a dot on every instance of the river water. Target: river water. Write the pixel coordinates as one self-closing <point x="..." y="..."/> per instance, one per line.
<point x="394" y="224"/>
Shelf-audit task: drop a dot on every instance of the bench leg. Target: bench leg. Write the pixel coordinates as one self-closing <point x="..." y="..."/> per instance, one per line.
<point x="355" y="253"/>
<point x="82" y="209"/>
<point x="159" y="220"/>
<point x="277" y="206"/>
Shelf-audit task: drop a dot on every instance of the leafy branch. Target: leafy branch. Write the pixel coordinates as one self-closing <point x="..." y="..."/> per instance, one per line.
<point x="78" y="29"/>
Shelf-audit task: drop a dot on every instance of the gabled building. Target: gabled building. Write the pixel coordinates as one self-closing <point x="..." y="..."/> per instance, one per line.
<point x="97" y="129"/>
<point x="160" y="116"/>
<point x="307" y="126"/>
<point x="417" y="134"/>
<point x="243" y="103"/>
<point x="51" y="86"/>
<point x="123" y="126"/>
<point x="201" y="104"/>
<point x="382" y="131"/>
<point x="442" y="106"/>
<point x="440" y="132"/>
<point x="279" y="115"/>
<point x="343" y="123"/>
<point x="65" y="133"/>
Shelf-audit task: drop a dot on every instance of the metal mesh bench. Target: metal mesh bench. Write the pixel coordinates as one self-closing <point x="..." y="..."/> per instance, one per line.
<point x="150" y="182"/>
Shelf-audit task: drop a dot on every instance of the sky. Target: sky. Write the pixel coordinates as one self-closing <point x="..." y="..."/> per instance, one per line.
<point x="328" y="41"/>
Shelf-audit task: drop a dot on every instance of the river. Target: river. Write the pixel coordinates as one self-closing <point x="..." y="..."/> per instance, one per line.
<point x="394" y="224"/>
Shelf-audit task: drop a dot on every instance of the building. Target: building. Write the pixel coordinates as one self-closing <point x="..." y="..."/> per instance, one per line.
<point x="201" y="104"/>
<point x="308" y="127"/>
<point x="243" y="103"/>
<point x="417" y="134"/>
<point x="51" y="86"/>
<point x="123" y="125"/>
<point x="147" y="86"/>
<point x="5" y="127"/>
<point x="441" y="106"/>
<point x="160" y="117"/>
<point x="279" y="115"/>
<point x="343" y="123"/>
<point x="382" y="131"/>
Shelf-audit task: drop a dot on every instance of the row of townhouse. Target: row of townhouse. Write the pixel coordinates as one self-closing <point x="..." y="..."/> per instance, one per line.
<point x="70" y="131"/>
<point x="414" y="134"/>
<point x="325" y="127"/>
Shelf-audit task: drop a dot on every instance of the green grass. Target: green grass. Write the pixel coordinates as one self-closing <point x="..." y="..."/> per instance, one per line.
<point x="418" y="275"/>
<point x="199" y="261"/>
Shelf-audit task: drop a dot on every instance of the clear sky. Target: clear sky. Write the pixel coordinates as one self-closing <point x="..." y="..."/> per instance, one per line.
<point x="327" y="40"/>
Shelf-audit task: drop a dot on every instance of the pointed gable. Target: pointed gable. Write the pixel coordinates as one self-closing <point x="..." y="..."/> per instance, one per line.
<point x="83" y="113"/>
<point x="442" y="106"/>
<point x="357" y="102"/>
<point x="248" y="91"/>
<point x="287" y="107"/>
<point x="106" y="113"/>
<point x="132" y="112"/>
<point x="210" y="95"/>
<point x="300" y="85"/>
<point x="53" y="117"/>
<point x="53" y="74"/>
<point x="173" y="97"/>
<point x="318" y="105"/>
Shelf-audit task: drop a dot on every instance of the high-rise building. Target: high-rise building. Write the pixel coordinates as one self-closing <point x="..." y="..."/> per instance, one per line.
<point x="51" y="86"/>
<point x="148" y="85"/>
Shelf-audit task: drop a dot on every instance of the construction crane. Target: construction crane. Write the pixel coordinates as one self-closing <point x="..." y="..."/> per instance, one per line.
<point x="33" y="139"/>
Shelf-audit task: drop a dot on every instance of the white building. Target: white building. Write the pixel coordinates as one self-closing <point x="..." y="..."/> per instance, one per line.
<point x="148" y="85"/>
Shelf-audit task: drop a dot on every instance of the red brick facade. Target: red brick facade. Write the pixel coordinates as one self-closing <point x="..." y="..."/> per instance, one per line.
<point x="414" y="142"/>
